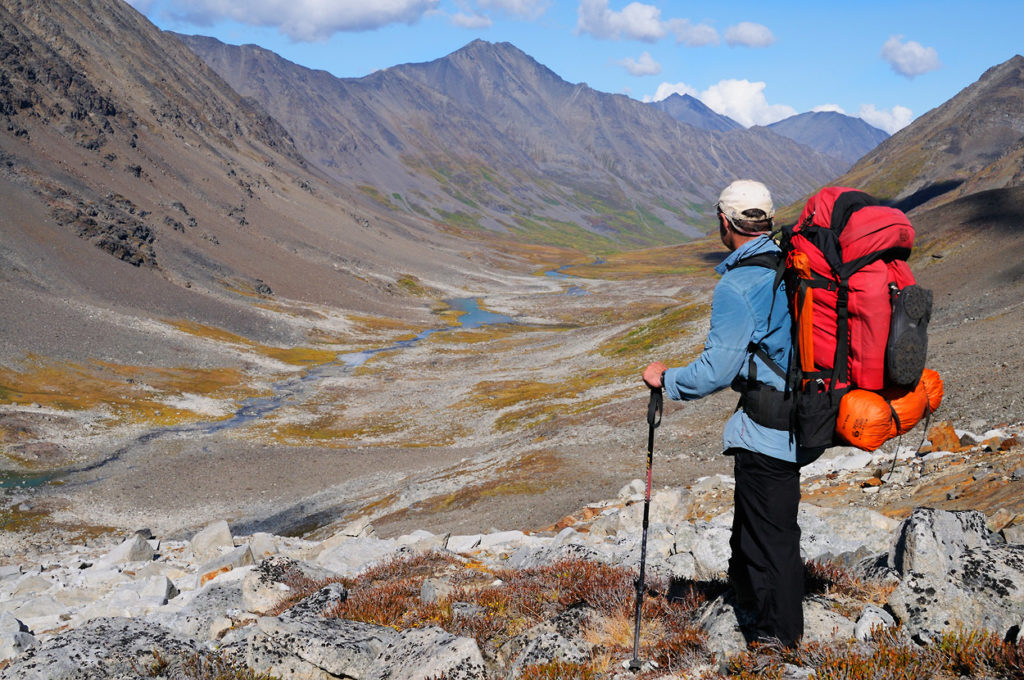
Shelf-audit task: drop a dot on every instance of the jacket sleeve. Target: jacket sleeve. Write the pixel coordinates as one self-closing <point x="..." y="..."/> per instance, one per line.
<point x="732" y="327"/>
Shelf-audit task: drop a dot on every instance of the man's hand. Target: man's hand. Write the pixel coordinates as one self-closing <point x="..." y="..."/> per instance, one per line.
<point x="652" y="374"/>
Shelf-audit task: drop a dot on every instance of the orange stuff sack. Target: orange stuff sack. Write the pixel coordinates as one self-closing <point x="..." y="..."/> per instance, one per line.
<point x="932" y="382"/>
<point x="865" y="420"/>
<point x="868" y="419"/>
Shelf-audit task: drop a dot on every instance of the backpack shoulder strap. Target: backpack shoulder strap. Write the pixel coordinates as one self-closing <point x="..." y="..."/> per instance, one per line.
<point x="769" y="260"/>
<point x="775" y="261"/>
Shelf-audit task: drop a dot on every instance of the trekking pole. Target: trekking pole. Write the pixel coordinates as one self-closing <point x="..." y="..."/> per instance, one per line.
<point x="654" y="408"/>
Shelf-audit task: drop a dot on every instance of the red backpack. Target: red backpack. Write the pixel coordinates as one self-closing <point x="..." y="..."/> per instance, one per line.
<point x="860" y="321"/>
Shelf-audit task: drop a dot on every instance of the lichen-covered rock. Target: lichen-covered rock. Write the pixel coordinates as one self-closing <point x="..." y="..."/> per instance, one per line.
<point x="197" y="615"/>
<point x="98" y="650"/>
<point x="546" y="648"/>
<point x="424" y="653"/>
<point x="289" y="647"/>
<point x="562" y="636"/>
<point x="826" y="534"/>
<point x="951" y="575"/>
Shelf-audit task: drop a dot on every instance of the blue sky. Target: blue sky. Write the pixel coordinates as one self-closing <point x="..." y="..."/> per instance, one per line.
<point x="758" y="62"/>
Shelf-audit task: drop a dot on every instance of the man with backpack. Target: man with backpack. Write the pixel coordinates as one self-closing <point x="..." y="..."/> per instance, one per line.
<point x="750" y="337"/>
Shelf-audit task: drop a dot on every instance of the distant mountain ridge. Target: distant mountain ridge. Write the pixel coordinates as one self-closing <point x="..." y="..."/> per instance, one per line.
<point x="688" y="109"/>
<point x="835" y="134"/>
<point x="487" y="137"/>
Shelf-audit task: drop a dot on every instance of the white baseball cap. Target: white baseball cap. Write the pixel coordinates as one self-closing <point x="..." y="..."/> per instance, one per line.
<point x="742" y="195"/>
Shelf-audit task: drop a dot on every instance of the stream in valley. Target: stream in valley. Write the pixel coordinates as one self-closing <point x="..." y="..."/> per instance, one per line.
<point x="471" y="315"/>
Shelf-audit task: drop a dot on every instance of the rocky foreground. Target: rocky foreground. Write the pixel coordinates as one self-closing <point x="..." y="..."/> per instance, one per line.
<point x="265" y="605"/>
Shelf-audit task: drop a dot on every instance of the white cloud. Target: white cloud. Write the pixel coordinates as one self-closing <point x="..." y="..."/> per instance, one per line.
<point x="666" y="90"/>
<point x="530" y="9"/>
<point x="643" y="66"/>
<point x="471" y="20"/>
<point x="892" y="121"/>
<point x="636" y="21"/>
<point x="909" y="58"/>
<point x="305" y="20"/>
<point x="744" y="102"/>
<point x="835" y="108"/>
<point x="749" y="34"/>
<point x="741" y="100"/>
<point x="692" y="35"/>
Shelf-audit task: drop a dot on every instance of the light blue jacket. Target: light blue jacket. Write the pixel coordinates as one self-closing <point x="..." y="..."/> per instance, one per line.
<point x="740" y="309"/>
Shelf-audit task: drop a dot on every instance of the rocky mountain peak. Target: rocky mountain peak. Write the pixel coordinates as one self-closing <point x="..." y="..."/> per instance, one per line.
<point x="833" y="133"/>
<point x="973" y="142"/>
<point x="688" y="109"/>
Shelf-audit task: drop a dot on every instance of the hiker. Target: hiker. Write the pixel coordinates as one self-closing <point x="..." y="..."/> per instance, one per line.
<point x="749" y="315"/>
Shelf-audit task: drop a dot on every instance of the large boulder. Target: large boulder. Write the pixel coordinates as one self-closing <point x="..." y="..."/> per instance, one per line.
<point x="425" y="653"/>
<point x="952" y="574"/>
<point x="100" y="649"/>
<point x="313" y="646"/>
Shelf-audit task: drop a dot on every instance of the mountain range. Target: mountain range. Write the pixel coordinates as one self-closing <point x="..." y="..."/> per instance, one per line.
<point x="831" y="133"/>
<point x="487" y="138"/>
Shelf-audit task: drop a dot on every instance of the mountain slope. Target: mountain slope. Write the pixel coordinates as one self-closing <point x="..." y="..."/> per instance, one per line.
<point x="835" y="134"/>
<point x="139" y="185"/>
<point x="973" y="142"/>
<point x="692" y="111"/>
<point x="489" y="138"/>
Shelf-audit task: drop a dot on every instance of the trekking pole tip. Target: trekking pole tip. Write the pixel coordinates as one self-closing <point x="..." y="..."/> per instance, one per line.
<point x="635" y="665"/>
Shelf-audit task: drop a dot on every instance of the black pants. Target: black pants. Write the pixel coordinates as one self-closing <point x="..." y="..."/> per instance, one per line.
<point x="765" y="568"/>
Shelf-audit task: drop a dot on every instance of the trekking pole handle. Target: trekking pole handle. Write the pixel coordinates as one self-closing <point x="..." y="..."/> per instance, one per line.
<point x="654" y="408"/>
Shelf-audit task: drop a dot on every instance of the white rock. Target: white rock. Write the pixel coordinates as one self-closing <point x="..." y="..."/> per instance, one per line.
<point x="358" y="528"/>
<point x="668" y="504"/>
<point x="871" y="618"/>
<point x="503" y="540"/>
<point x="37" y="606"/>
<point x="682" y="566"/>
<point x="435" y="589"/>
<point x="711" y="550"/>
<point x="462" y="544"/>
<point x="29" y="585"/>
<point x="102" y="576"/>
<point x="9" y="571"/>
<point x="13" y="644"/>
<point x="422" y="541"/>
<point x="9" y="623"/>
<point x="213" y="540"/>
<point x="356" y="555"/>
<point x="134" y="549"/>
<point x="262" y="546"/>
<point x="566" y="535"/>
<point x="636" y="488"/>
<point x="239" y="557"/>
